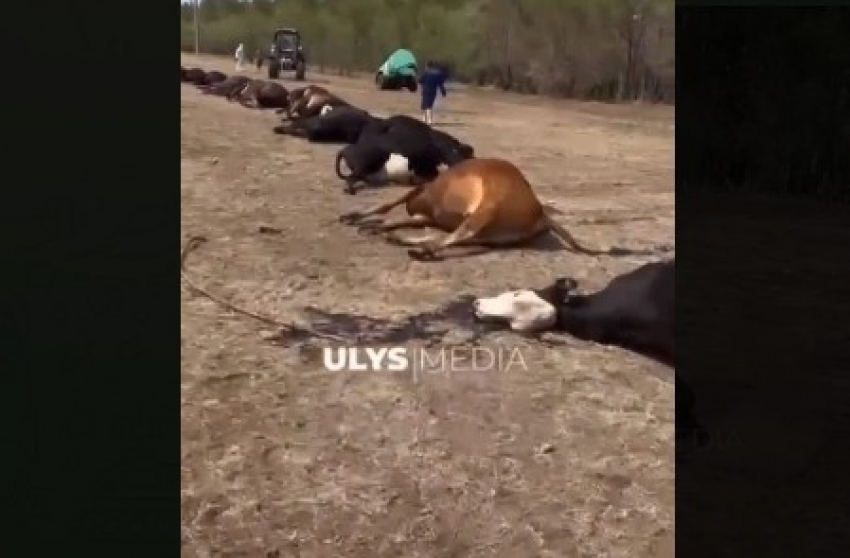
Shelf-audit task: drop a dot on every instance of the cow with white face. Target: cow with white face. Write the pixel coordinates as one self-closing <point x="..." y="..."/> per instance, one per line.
<point x="635" y="311"/>
<point x="524" y="310"/>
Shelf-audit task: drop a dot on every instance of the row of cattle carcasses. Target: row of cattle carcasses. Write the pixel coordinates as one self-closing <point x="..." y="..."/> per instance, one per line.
<point x="397" y="149"/>
<point x="402" y="148"/>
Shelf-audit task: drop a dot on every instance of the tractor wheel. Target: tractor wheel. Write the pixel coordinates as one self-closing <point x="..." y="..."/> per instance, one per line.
<point x="410" y="84"/>
<point x="379" y="81"/>
<point x="300" y="71"/>
<point x="274" y="69"/>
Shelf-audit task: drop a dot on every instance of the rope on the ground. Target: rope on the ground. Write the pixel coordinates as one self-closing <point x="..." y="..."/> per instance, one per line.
<point x="191" y="245"/>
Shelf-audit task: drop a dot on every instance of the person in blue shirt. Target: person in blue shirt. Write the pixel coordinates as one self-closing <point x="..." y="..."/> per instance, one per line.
<point x="431" y="80"/>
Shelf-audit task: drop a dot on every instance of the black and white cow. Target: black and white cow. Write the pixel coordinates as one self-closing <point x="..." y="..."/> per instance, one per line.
<point x="635" y="311"/>
<point x="399" y="149"/>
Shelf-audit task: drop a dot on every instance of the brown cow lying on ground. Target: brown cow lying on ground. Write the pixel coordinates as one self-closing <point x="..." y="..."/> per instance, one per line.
<point x="483" y="202"/>
<point x="311" y="101"/>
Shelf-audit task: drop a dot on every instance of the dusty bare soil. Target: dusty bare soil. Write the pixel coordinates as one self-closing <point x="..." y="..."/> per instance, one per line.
<point x="572" y="458"/>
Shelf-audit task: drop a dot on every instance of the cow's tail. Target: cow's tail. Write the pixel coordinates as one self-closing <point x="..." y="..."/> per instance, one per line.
<point x="338" y="166"/>
<point x="562" y="233"/>
<point x="575" y="246"/>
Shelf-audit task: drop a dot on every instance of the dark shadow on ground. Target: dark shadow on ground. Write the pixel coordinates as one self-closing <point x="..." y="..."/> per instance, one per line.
<point x="547" y="243"/>
<point x="429" y="327"/>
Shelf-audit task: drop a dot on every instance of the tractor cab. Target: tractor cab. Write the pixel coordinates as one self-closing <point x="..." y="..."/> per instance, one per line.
<point x="287" y="53"/>
<point x="287" y="41"/>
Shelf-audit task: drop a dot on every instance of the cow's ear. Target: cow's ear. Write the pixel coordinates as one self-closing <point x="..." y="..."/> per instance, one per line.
<point x="563" y="284"/>
<point x="565" y="287"/>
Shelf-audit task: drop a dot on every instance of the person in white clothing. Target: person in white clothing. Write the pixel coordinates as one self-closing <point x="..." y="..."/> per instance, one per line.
<point x="239" y="55"/>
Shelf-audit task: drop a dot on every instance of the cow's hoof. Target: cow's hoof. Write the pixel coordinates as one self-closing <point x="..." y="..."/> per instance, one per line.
<point x="350" y="190"/>
<point x="422" y="254"/>
<point x="369" y="230"/>
<point x="393" y="238"/>
<point x="279" y="129"/>
<point x="349" y="218"/>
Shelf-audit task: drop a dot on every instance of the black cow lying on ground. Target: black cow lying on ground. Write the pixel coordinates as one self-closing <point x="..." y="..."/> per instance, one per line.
<point x="200" y="78"/>
<point x="227" y="88"/>
<point x="211" y="78"/>
<point x="340" y="125"/>
<point x="376" y="165"/>
<point x="261" y="94"/>
<point x="195" y="76"/>
<point x="399" y="148"/>
<point x="635" y="311"/>
<point x="451" y="149"/>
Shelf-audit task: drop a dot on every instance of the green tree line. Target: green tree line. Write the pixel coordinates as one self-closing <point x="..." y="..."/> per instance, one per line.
<point x="614" y="50"/>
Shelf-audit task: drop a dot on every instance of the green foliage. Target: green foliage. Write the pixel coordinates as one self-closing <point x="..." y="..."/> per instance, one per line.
<point x="562" y="47"/>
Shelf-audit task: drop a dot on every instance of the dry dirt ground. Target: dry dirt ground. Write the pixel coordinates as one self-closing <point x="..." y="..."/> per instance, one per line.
<point x="571" y="458"/>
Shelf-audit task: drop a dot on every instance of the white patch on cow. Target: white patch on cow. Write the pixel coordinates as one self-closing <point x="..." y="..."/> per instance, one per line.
<point x="523" y="309"/>
<point x="396" y="169"/>
<point x="325" y="109"/>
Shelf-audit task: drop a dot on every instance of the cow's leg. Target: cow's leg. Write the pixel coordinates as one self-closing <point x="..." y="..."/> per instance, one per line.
<point x="354" y="216"/>
<point x="291" y="130"/>
<point x="466" y="233"/>
<point x="351" y="184"/>
<point x="415" y="221"/>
